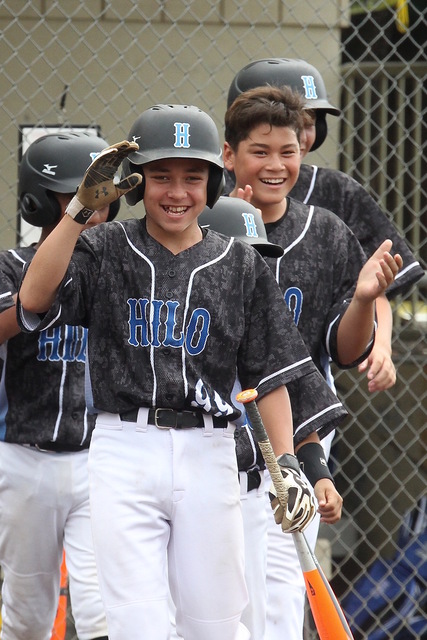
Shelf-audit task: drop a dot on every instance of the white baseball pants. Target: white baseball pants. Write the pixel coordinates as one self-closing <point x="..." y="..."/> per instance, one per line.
<point x="166" y="502"/>
<point x="44" y="506"/>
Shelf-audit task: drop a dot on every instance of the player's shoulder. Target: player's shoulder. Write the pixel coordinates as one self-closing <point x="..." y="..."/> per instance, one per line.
<point x="326" y="229"/>
<point x="17" y="257"/>
<point x="314" y="215"/>
<point x="115" y="227"/>
<point x="112" y="233"/>
<point x="336" y="178"/>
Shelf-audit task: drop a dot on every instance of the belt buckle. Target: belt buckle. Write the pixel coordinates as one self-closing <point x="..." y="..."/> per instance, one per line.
<point x="156" y="417"/>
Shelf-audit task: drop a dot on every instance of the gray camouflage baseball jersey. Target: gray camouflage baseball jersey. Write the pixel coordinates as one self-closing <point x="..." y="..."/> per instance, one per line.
<point x="42" y="374"/>
<point x="344" y="196"/>
<point x="171" y="330"/>
<point x="337" y="192"/>
<point x="317" y="275"/>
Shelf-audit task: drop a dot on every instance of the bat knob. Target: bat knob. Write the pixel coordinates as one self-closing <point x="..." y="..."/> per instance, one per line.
<point x="248" y="395"/>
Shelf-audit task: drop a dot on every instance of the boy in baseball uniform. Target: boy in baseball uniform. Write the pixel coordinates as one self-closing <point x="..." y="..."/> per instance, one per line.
<point x="45" y="429"/>
<point x="173" y="313"/>
<point x="323" y="274"/>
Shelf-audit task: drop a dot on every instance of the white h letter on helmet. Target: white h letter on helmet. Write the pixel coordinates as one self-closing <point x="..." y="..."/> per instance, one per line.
<point x="250" y="224"/>
<point x="182" y="135"/>
<point x="309" y="87"/>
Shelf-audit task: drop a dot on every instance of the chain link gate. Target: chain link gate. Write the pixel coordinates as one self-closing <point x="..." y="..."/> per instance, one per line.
<point x="100" y="63"/>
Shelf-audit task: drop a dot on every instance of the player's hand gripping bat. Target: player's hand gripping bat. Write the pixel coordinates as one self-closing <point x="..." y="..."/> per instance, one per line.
<point x="327" y="614"/>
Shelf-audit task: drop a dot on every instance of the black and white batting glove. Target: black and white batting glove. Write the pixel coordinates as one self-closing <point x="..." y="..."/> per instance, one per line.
<point x="98" y="189"/>
<point x="299" y="509"/>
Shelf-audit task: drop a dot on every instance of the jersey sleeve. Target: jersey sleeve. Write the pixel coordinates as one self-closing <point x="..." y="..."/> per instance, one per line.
<point x="348" y="259"/>
<point x="75" y="291"/>
<point x="315" y="407"/>
<point x="8" y="281"/>
<point x="6" y="293"/>
<point x="372" y="226"/>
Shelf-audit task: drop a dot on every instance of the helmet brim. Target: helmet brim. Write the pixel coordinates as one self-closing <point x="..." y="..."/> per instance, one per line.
<point x="268" y="249"/>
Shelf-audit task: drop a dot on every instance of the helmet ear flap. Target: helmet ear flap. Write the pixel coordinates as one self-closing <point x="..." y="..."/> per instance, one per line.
<point x="38" y="214"/>
<point x="321" y="129"/>
<point x="216" y="184"/>
<point x="136" y="194"/>
<point x="114" y="210"/>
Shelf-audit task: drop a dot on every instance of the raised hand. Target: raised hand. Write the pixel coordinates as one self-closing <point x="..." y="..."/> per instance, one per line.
<point x="378" y="273"/>
<point x="98" y="188"/>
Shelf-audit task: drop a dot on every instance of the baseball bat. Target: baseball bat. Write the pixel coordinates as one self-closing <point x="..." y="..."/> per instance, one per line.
<point x="59" y="630"/>
<point x="328" y="616"/>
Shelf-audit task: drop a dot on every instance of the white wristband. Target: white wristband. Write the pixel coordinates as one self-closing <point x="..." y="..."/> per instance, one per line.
<point x="78" y="211"/>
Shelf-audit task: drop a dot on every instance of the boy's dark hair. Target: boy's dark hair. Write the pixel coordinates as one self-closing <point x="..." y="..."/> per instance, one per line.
<point x="278" y="107"/>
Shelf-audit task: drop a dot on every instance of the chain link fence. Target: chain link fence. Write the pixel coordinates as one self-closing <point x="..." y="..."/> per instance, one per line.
<point x="100" y="63"/>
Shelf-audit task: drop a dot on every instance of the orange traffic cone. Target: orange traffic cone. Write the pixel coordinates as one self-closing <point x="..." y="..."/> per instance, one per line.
<point x="60" y="625"/>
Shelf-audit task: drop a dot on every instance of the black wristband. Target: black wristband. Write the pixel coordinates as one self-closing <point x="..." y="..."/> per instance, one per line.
<point x="311" y="457"/>
<point x="288" y="460"/>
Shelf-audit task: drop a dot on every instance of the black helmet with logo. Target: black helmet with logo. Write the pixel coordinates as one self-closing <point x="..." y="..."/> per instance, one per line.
<point x="297" y="74"/>
<point x="55" y="163"/>
<point x="175" y="131"/>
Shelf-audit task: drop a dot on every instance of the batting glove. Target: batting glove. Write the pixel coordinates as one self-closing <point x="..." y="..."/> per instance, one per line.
<point x="295" y="513"/>
<point x="98" y="188"/>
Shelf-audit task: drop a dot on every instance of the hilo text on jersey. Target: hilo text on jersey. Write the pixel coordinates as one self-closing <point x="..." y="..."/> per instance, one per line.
<point x="164" y="331"/>
<point x="66" y="343"/>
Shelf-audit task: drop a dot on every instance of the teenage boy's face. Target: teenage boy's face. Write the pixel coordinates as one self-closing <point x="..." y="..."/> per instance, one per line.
<point x="174" y="195"/>
<point x="268" y="160"/>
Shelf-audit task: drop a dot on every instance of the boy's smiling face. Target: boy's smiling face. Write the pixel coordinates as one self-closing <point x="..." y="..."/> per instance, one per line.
<point x="268" y="160"/>
<point x="174" y="196"/>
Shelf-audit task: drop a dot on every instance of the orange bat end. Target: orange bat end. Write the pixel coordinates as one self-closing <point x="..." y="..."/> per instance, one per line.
<point x="247" y="396"/>
<point x="59" y="630"/>
<point x="329" y="620"/>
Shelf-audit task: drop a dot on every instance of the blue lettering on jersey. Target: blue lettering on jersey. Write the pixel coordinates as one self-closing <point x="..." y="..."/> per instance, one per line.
<point x="182" y="135"/>
<point x="137" y="320"/>
<point x="197" y="331"/>
<point x="250" y="224"/>
<point x="66" y="343"/>
<point x="309" y="87"/>
<point x="170" y="339"/>
<point x="161" y="328"/>
<point x="294" y="299"/>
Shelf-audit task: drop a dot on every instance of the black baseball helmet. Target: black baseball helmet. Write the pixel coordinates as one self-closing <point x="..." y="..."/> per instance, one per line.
<point x="237" y="218"/>
<point x="55" y="162"/>
<point x="297" y="74"/>
<point x="175" y="131"/>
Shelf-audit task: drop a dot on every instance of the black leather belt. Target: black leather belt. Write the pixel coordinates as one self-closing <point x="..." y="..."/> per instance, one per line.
<point x="57" y="447"/>
<point x="173" y="419"/>
<point x="254" y="479"/>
